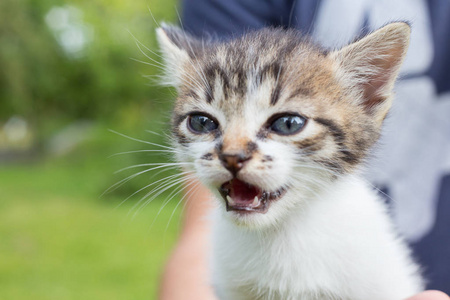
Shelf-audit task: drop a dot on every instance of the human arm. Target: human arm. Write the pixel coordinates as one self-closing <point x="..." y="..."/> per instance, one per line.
<point x="186" y="275"/>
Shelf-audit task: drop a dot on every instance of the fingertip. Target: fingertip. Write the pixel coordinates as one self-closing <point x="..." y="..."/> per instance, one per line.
<point x="430" y="295"/>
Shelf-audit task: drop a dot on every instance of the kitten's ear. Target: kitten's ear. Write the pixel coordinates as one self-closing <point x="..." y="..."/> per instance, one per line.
<point x="177" y="48"/>
<point x="372" y="64"/>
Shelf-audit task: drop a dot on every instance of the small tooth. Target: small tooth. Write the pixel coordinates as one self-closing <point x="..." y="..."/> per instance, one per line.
<point x="255" y="201"/>
<point x="230" y="201"/>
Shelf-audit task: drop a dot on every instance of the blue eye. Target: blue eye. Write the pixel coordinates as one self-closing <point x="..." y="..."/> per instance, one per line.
<point x="287" y="124"/>
<point x="201" y="124"/>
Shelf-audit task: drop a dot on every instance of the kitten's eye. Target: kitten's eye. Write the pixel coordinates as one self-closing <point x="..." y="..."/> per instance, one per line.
<point x="201" y="124"/>
<point x="287" y="124"/>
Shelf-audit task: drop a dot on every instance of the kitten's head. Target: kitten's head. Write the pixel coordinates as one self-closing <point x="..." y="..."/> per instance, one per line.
<point x="269" y="119"/>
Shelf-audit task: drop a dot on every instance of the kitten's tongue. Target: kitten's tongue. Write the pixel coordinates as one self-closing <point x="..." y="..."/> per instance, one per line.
<point x="243" y="194"/>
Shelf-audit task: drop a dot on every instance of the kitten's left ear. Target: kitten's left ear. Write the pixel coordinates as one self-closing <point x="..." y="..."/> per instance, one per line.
<point x="372" y="65"/>
<point x="177" y="48"/>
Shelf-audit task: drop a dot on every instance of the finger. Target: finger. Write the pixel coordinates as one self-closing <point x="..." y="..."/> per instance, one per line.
<point x="430" y="295"/>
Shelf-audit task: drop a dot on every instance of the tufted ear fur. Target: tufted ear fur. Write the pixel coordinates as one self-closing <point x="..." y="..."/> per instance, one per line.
<point x="177" y="48"/>
<point x="371" y="65"/>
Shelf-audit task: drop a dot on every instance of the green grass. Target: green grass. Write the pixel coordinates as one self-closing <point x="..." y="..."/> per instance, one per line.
<point x="60" y="240"/>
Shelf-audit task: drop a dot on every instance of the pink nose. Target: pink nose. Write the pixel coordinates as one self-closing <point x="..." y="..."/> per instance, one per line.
<point x="234" y="162"/>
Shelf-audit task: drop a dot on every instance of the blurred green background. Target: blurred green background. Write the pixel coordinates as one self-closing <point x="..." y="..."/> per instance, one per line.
<point x="70" y="73"/>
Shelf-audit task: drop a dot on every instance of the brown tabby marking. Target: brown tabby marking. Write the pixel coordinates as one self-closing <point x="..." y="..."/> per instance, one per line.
<point x="346" y="93"/>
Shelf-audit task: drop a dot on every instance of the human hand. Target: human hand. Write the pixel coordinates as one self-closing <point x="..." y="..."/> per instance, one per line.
<point x="430" y="295"/>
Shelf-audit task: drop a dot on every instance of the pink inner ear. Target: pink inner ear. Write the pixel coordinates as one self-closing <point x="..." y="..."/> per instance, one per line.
<point x="374" y="61"/>
<point x="376" y="89"/>
<point x="379" y="85"/>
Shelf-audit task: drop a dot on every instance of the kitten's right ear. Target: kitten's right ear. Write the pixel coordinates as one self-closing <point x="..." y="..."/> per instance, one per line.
<point x="373" y="63"/>
<point x="177" y="48"/>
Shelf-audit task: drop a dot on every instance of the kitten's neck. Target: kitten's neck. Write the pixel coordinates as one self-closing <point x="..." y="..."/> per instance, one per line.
<point x="347" y="222"/>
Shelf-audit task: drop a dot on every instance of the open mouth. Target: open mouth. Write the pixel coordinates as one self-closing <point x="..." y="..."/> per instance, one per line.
<point x="244" y="197"/>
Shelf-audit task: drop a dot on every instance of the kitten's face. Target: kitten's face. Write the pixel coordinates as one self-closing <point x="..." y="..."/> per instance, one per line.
<point x="269" y="120"/>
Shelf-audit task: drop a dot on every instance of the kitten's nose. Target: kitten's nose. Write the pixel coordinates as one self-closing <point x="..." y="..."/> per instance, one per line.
<point x="234" y="162"/>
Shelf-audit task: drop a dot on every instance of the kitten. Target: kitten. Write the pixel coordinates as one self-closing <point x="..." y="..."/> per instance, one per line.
<point x="278" y="129"/>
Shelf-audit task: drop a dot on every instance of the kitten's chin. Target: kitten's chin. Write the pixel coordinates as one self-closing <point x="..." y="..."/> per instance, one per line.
<point x="245" y="202"/>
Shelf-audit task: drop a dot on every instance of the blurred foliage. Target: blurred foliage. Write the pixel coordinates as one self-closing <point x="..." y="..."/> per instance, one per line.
<point x="52" y="86"/>
<point x="59" y="238"/>
<point x="39" y="80"/>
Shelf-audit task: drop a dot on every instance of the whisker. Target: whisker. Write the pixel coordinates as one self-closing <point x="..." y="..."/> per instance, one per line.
<point x="316" y="167"/>
<point x="153" y="164"/>
<point x="161" y="187"/>
<point x="170" y="197"/>
<point x="153" y="132"/>
<point x="147" y="48"/>
<point x="193" y="189"/>
<point x="148" y="7"/>
<point x="146" y="63"/>
<point x="161" y="66"/>
<point x="156" y="192"/>
<point x="153" y="183"/>
<point x="141" y="141"/>
<point x="138" y="43"/>
<point x="125" y="180"/>
<point x="143" y="150"/>
<point x="378" y="190"/>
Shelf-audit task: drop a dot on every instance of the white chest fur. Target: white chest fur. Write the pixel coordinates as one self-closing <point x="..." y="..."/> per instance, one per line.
<point x="341" y="245"/>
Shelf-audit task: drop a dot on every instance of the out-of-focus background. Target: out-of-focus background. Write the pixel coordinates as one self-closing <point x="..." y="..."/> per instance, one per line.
<point x="70" y="73"/>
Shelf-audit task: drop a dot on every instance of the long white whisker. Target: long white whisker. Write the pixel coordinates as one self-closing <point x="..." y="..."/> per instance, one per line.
<point x="147" y="48"/>
<point x="146" y="63"/>
<point x="170" y="197"/>
<point x="153" y="132"/>
<point x="125" y="180"/>
<point x="161" y="187"/>
<point x="193" y="189"/>
<point x="162" y="190"/>
<point x="148" y="7"/>
<point x="136" y="40"/>
<point x="153" y="183"/>
<point x="161" y="66"/>
<point x="153" y="164"/>
<point x="314" y="167"/>
<point x="378" y="190"/>
<point x="156" y="192"/>
<point x="141" y="141"/>
<point x="143" y="150"/>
